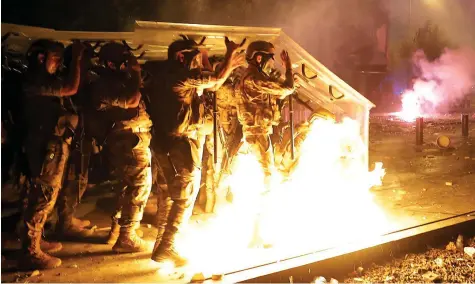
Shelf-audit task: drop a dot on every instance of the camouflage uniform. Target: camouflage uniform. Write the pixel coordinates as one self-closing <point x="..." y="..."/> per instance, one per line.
<point x="127" y="146"/>
<point x="258" y="110"/>
<point x="50" y="131"/>
<point x="179" y="148"/>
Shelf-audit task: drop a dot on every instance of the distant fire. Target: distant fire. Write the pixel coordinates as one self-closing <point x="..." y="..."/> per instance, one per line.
<point x="326" y="201"/>
<point x="419" y="101"/>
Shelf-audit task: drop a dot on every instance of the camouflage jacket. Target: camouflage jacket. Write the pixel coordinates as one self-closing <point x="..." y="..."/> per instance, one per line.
<point x="258" y="106"/>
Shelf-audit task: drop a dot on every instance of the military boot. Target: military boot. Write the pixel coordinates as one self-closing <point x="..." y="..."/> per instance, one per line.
<point x="166" y="250"/>
<point x="115" y="231"/>
<point x="34" y="257"/>
<point x="129" y="241"/>
<point x="50" y="247"/>
<point x="164" y="205"/>
<point x="80" y="222"/>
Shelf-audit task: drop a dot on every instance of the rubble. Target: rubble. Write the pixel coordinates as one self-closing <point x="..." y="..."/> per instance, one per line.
<point x="430" y="277"/>
<point x="445" y="264"/>
<point x="35" y="273"/>
<point x="451" y="247"/>
<point x="198" y="277"/>
<point x="470" y="251"/>
<point x="448" y="183"/>
<point x="319" y="280"/>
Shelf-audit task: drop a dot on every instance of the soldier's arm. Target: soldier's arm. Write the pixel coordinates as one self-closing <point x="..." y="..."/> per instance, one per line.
<point x="214" y="80"/>
<point x="272" y="88"/>
<point x="130" y="95"/>
<point x="58" y="87"/>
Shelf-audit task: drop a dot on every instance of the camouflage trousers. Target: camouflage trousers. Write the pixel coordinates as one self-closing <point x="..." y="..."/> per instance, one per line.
<point x="46" y="170"/>
<point x="260" y="145"/>
<point x="75" y="185"/>
<point x="180" y="167"/>
<point x="131" y="157"/>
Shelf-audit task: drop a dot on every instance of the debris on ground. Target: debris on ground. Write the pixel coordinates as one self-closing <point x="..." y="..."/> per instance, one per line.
<point x="198" y="277"/>
<point x="73" y="266"/>
<point x="445" y="264"/>
<point x="319" y="280"/>
<point x="35" y="273"/>
<point x="470" y="251"/>
<point x="451" y="247"/>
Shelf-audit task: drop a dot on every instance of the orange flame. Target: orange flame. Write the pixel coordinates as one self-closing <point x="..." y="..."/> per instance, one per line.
<point x="327" y="200"/>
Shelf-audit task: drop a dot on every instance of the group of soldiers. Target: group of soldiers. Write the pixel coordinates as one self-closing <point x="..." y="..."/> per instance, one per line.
<point x="152" y="129"/>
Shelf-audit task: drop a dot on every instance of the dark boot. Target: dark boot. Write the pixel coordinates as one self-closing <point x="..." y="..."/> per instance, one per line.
<point x="115" y="231"/>
<point x="128" y="240"/>
<point x="34" y="257"/>
<point x="164" y="205"/>
<point x="68" y="226"/>
<point x="166" y="250"/>
<point x="80" y="222"/>
<point x="50" y="247"/>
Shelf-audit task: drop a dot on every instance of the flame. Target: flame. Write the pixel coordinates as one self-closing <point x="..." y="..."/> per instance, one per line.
<point x="419" y="101"/>
<point x="326" y="201"/>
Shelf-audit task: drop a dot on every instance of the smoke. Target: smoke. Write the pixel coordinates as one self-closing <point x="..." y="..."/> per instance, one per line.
<point x="329" y="30"/>
<point x="440" y="84"/>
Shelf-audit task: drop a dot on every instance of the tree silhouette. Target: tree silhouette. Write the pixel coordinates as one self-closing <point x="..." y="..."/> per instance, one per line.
<point x="428" y="38"/>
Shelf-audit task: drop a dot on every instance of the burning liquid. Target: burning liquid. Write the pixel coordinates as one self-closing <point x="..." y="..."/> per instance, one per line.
<point x="326" y="201"/>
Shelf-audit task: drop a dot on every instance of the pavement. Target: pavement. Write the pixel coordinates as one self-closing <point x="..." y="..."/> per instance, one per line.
<point x="422" y="184"/>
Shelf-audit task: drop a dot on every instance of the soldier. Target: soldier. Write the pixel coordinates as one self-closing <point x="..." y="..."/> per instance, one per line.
<point x="77" y="177"/>
<point x="258" y="110"/>
<point x="125" y="134"/>
<point x="180" y="129"/>
<point x="50" y="128"/>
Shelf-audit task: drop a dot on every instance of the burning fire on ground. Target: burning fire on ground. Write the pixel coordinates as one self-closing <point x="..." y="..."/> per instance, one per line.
<point x="326" y="201"/>
<point x="440" y="84"/>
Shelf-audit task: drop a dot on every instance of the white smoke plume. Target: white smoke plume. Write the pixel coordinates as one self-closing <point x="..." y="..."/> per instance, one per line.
<point x="440" y="84"/>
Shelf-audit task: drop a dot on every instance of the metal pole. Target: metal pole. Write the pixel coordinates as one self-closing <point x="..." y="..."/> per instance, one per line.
<point x="215" y="128"/>
<point x="291" y="121"/>
<point x="465" y="125"/>
<point x="419" y="131"/>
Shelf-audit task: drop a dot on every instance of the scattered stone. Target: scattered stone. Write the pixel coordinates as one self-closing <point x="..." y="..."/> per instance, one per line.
<point x="439" y="262"/>
<point x="389" y="278"/>
<point x="319" y="280"/>
<point x="333" y="281"/>
<point x="73" y="266"/>
<point x="217" y="277"/>
<point x="451" y="247"/>
<point x="198" y="277"/>
<point x="360" y="270"/>
<point x="358" y="280"/>
<point x="467" y="158"/>
<point x="35" y="273"/>
<point x="430" y="276"/>
<point x="424" y="189"/>
<point x="149" y="226"/>
<point x="470" y="251"/>
<point x="58" y="274"/>
<point x="448" y="183"/>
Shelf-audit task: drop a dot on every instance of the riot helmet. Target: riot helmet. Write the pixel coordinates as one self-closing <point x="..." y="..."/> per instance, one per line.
<point x="261" y="55"/>
<point x="114" y="55"/>
<point x="45" y="52"/>
<point x="185" y="52"/>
